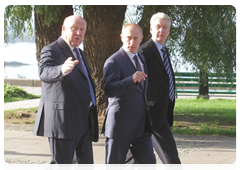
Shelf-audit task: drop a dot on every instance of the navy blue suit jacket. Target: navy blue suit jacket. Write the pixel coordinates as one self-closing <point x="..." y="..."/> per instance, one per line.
<point x="126" y="113"/>
<point x="64" y="107"/>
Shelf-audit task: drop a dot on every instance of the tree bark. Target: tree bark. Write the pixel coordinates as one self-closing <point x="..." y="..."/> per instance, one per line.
<point x="44" y="34"/>
<point x="102" y="39"/>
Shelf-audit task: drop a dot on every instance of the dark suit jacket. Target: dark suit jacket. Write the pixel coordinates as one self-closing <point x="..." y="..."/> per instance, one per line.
<point x="126" y="113"/>
<point x="158" y="104"/>
<point x="64" y="107"/>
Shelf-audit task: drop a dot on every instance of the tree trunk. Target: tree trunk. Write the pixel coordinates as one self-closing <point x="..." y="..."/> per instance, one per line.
<point x="102" y="39"/>
<point x="44" y="34"/>
<point x="148" y="11"/>
<point x="203" y="85"/>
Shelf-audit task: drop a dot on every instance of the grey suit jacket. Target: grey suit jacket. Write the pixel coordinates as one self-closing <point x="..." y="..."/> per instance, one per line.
<point x="126" y="113"/>
<point x="64" y="107"/>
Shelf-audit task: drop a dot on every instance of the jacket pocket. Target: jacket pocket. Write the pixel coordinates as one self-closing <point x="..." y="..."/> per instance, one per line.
<point x="62" y="106"/>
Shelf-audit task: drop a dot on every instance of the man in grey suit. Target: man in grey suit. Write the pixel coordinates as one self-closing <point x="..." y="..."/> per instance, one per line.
<point x="68" y="101"/>
<point x="125" y="83"/>
<point x="161" y="89"/>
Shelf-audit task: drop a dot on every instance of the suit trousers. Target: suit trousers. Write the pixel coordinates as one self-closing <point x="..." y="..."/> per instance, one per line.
<point x="165" y="146"/>
<point x="63" y="150"/>
<point x="141" y="149"/>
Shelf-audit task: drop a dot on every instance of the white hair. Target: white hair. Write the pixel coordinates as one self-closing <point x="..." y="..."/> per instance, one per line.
<point x="160" y="15"/>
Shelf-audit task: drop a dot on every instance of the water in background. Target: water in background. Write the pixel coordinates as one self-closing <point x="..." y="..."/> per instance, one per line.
<point x="25" y="52"/>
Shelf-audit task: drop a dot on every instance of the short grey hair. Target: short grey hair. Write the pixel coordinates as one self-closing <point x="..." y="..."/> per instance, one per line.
<point x="160" y="15"/>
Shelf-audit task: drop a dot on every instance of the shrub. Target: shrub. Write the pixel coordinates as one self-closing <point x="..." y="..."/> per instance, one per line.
<point x="13" y="91"/>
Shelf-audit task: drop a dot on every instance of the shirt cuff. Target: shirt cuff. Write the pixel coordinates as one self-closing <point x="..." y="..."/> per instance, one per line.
<point x="64" y="74"/>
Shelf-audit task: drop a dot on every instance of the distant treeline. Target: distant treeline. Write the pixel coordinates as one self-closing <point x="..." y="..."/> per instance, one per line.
<point x="14" y="63"/>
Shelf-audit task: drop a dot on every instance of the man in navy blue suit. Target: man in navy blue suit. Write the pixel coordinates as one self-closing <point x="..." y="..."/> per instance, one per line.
<point x="125" y="83"/>
<point x="68" y="101"/>
<point x="161" y="89"/>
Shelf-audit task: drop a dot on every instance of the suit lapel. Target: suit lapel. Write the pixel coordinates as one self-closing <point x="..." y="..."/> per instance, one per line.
<point x="65" y="48"/>
<point x="68" y="53"/>
<point x="156" y="53"/>
<point x="126" y="60"/>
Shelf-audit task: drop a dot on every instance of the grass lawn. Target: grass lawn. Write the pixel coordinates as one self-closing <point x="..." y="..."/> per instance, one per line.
<point x="191" y="117"/>
<point x="205" y="117"/>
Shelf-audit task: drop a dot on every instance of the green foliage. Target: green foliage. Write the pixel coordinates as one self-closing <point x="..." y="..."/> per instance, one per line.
<point x="50" y="13"/>
<point x="13" y="93"/>
<point x="205" y="36"/>
<point x="19" y="18"/>
<point x="145" y="12"/>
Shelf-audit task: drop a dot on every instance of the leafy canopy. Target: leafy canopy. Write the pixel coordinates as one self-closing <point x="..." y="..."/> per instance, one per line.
<point x="19" y="18"/>
<point x="204" y="35"/>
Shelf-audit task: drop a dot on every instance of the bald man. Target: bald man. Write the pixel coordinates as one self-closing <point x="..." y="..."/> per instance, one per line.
<point x="68" y="105"/>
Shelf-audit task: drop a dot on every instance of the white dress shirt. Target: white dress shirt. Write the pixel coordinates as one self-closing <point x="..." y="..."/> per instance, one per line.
<point x="159" y="47"/>
<point x="131" y="55"/>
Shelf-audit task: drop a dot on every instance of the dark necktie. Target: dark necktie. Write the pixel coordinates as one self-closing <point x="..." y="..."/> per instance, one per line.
<point x="139" y="68"/>
<point x="86" y="74"/>
<point x="167" y="66"/>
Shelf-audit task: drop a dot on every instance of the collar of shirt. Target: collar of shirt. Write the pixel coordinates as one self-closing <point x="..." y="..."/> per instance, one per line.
<point x="71" y="48"/>
<point x="159" y="47"/>
<point x="131" y="55"/>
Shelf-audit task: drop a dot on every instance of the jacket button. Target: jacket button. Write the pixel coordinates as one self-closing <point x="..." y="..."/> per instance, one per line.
<point x="167" y="88"/>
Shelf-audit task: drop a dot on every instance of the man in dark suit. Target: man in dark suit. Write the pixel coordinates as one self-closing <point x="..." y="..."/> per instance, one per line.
<point x="68" y="96"/>
<point x="161" y="89"/>
<point x="125" y="84"/>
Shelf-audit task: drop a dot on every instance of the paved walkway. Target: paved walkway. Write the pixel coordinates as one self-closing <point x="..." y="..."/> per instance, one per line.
<point x="20" y="146"/>
<point x="22" y="150"/>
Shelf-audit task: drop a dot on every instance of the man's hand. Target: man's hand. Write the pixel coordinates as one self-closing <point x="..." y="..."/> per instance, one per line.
<point x="69" y="65"/>
<point x="138" y="76"/>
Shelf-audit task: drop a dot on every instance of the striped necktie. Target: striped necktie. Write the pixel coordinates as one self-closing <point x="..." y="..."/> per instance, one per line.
<point x="167" y="66"/>
<point x="86" y="74"/>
